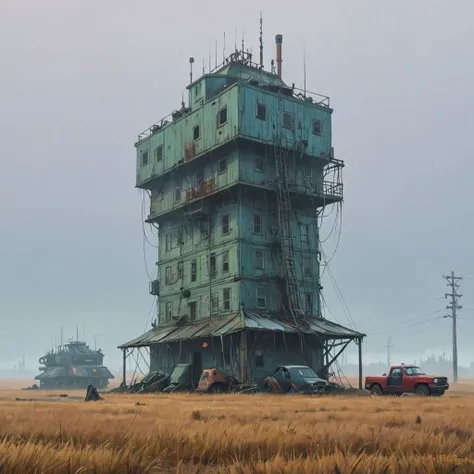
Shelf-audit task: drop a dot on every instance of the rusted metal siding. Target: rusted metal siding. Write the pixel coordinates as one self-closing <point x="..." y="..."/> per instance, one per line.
<point x="303" y="115"/>
<point x="177" y="137"/>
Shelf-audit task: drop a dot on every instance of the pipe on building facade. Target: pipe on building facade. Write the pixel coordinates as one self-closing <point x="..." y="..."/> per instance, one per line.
<point x="279" y="41"/>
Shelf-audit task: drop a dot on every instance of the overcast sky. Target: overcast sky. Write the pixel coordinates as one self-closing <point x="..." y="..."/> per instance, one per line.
<point x="80" y="79"/>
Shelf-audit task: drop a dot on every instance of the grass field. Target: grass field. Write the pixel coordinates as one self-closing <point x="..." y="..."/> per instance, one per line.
<point x="236" y="433"/>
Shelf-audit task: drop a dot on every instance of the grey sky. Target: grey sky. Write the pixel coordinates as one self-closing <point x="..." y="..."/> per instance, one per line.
<point x="80" y="79"/>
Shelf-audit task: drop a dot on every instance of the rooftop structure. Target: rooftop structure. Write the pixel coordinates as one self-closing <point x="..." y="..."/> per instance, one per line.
<point x="237" y="180"/>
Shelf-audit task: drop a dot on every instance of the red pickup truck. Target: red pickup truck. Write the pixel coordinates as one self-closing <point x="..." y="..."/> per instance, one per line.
<point x="406" y="379"/>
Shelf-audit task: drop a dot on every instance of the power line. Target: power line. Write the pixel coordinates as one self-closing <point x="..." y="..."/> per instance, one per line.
<point x="453" y="306"/>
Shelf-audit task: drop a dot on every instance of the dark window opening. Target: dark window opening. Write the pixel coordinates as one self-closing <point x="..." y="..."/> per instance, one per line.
<point x="225" y="262"/>
<point x="193" y="270"/>
<point x="212" y="264"/>
<point x="180" y="269"/>
<point x="260" y="164"/>
<point x="177" y="193"/>
<point x="225" y="224"/>
<point x="317" y="127"/>
<point x="196" y="132"/>
<point x="169" y="310"/>
<point x="287" y="120"/>
<point x="222" y="117"/>
<point x="309" y="302"/>
<point x="168" y="276"/>
<point x="144" y="158"/>
<point x="192" y="310"/>
<point x="223" y="165"/>
<point x="259" y="260"/>
<point x="261" y="111"/>
<point x="159" y="153"/>
<point x="261" y="297"/>
<point x="259" y="362"/>
<point x="257" y="224"/>
<point x="214" y="303"/>
<point x="307" y="267"/>
<point x="226" y="297"/>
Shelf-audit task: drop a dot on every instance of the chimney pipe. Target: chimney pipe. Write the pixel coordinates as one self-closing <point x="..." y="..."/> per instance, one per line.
<point x="279" y="41"/>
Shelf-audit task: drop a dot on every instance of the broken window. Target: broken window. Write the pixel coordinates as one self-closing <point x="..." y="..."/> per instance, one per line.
<point x="225" y="261"/>
<point x="159" y="153"/>
<point x="259" y="362"/>
<point x="288" y="120"/>
<point x="196" y="132"/>
<point x="259" y="259"/>
<point x="222" y="116"/>
<point x="214" y="303"/>
<point x="212" y="264"/>
<point x="261" y="111"/>
<point x="261" y="297"/>
<point x="193" y="270"/>
<point x="317" y="127"/>
<point x="223" y="165"/>
<point x="144" y="158"/>
<point x="257" y="224"/>
<point x="225" y="224"/>
<point x="226" y="298"/>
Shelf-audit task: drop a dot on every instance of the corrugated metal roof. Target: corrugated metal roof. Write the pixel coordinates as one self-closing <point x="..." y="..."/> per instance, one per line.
<point x="52" y="372"/>
<point x="237" y="322"/>
<point x="324" y="327"/>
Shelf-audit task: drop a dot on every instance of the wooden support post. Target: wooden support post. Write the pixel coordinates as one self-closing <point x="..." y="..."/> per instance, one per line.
<point x="124" y="375"/>
<point x="360" y="363"/>
<point x="243" y="356"/>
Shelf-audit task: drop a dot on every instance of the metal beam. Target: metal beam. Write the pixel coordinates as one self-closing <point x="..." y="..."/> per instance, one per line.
<point x="360" y="363"/>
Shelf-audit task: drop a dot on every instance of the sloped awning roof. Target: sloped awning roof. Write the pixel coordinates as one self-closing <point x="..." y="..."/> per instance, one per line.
<point x="51" y="373"/>
<point x="215" y="327"/>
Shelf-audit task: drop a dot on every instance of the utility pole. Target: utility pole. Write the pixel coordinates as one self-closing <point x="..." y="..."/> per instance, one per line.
<point x="388" y="347"/>
<point x="454" y="306"/>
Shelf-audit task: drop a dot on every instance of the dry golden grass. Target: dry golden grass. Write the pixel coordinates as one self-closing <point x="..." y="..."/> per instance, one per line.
<point x="236" y="434"/>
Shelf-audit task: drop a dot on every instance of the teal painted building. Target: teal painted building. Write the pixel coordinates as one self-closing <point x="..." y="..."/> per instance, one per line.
<point x="237" y="180"/>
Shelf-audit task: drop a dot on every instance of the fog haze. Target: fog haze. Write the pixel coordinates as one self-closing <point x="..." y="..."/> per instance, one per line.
<point x="80" y="79"/>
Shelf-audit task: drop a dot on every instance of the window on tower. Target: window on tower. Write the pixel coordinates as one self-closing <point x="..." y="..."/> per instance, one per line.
<point x="309" y="302"/>
<point x="196" y="132"/>
<point x="304" y="233"/>
<point x="260" y="164"/>
<point x="193" y="270"/>
<point x="288" y="120"/>
<point x="259" y="260"/>
<point x="226" y="298"/>
<point x="144" y="158"/>
<point x="317" y="127"/>
<point x="212" y="264"/>
<point x="257" y="224"/>
<point x="261" y="297"/>
<point x="307" y="270"/>
<point x="261" y="111"/>
<point x="225" y="224"/>
<point x="225" y="262"/>
<point x="214" y="303"/>
<point x="177" y="193"/>
<point x="169" y="310"/>
<point x="159" y="153"/>
<point x="222" y="116"/>
<point x="223" y="165"/>
<point x="168" y="276"/>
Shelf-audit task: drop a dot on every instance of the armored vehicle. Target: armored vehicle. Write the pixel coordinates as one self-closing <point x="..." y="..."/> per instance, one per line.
<point x="73" y="365"/>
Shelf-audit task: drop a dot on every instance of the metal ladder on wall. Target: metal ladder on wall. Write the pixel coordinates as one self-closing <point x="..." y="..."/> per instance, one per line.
<point x="284" y="219"/>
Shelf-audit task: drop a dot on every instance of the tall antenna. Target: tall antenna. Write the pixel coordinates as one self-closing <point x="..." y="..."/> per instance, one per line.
<point x="215" y="63"/>
<point x="223" y="51"/>
<point x="191" y="61"/>
<point x="61" y="337"/>
<point x="235" y="40"/>
<point x="209" y="58"/>
<point x="304" y="71"/>
<point x="77" y="333"/>
<point x="261" y="41"/>
<point x="203" y="64"/>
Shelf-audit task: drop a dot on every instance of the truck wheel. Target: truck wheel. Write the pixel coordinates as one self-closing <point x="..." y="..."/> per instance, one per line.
<point x="422" y="390"/>
<point x="376" y="390"/>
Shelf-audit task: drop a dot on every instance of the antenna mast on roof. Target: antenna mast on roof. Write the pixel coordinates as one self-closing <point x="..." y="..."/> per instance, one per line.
<point x="215" y="63"/>
<point x="261" y="41"/>
<point x="191" y="61"/>
<point x="243" y="42"/>
<point x="304" y="70"/>
<point x="223" y="51"/>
